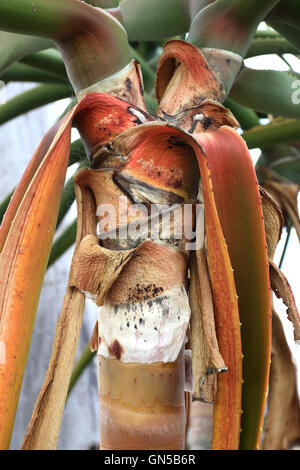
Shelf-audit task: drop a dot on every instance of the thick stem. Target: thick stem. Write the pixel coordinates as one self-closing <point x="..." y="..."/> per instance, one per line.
<point x="224" y="30"/>
<point x="142" y="406"/>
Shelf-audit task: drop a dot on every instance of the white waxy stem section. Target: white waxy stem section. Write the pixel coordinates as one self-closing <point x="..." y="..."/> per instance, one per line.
<point x="148" y="331"/>
<point x="109" y="83"/>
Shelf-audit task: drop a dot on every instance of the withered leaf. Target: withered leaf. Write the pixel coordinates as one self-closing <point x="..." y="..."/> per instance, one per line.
<point x="282" y="425"/>
<point x="206" y="358"/>
<point x="282" y="290"/>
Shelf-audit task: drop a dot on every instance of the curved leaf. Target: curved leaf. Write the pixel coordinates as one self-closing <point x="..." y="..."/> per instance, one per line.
<point x="239" y="209"/>
<point x="229" y="24"/>
<point x="25" y="73"/>
<point x="268" y="91"/>
<point x="289" y="167"/>
<point x="15" y="46"/>
<point x="288" y="31"/>
<point x="153" y="19"/>
<point x="32" y="99"/>
<point x="276" y="132"/>
<point x="28" y="224"/>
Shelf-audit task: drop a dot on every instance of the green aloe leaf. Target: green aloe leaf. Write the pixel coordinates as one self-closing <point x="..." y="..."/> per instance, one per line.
<point x="291" y="33"/>
<point x="82" y="362"/>
<point x="4" y="205"/>
<point x="32" y="99"/>
<point x="68" y="196"/>
<point x="277" y="132"/>
<point x="80" y="31"/>
<point x="271" y="45"/>
<point x="15" y="46"/>
<point x="288" y="167"/>
<point x="62" y="243"/>
<point x="25" y="73"/>
<point x="286" y="11"/>
<point x="49" y="60"/>
<point x="229" y="24"/>
<point x="103" y="3"/>
<point x="155" y="19"/>
<point x="245" y="116"/>
<point x="268" y="91"/>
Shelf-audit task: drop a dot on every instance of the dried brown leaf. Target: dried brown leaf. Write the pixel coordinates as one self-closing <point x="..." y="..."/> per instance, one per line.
<point x="44" y="426"/>
<point x="282" y="425"/>
<point x="286" y="195"/>
<point x="43" y="430"/>
<point x="183" y="67"/>
<point x="282" y="290"/>
<point x="273" y="221"/>
<point x="95" y="269"/>
<point x="206" y="359"/>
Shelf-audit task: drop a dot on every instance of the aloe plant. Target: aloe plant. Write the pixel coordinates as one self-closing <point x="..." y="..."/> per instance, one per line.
<point x="185" y="154"/>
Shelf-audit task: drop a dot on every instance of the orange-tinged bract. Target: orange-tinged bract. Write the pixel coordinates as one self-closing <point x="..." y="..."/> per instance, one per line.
<point x="27" y="235"/>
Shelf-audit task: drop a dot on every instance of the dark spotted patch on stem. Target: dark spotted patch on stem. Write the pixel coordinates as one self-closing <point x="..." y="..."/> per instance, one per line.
<point x="128" y="84"/>
<point x="143" y="292"/>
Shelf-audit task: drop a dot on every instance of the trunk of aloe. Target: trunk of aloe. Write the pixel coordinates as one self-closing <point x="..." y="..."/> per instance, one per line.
<point x="149" y="412"/>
